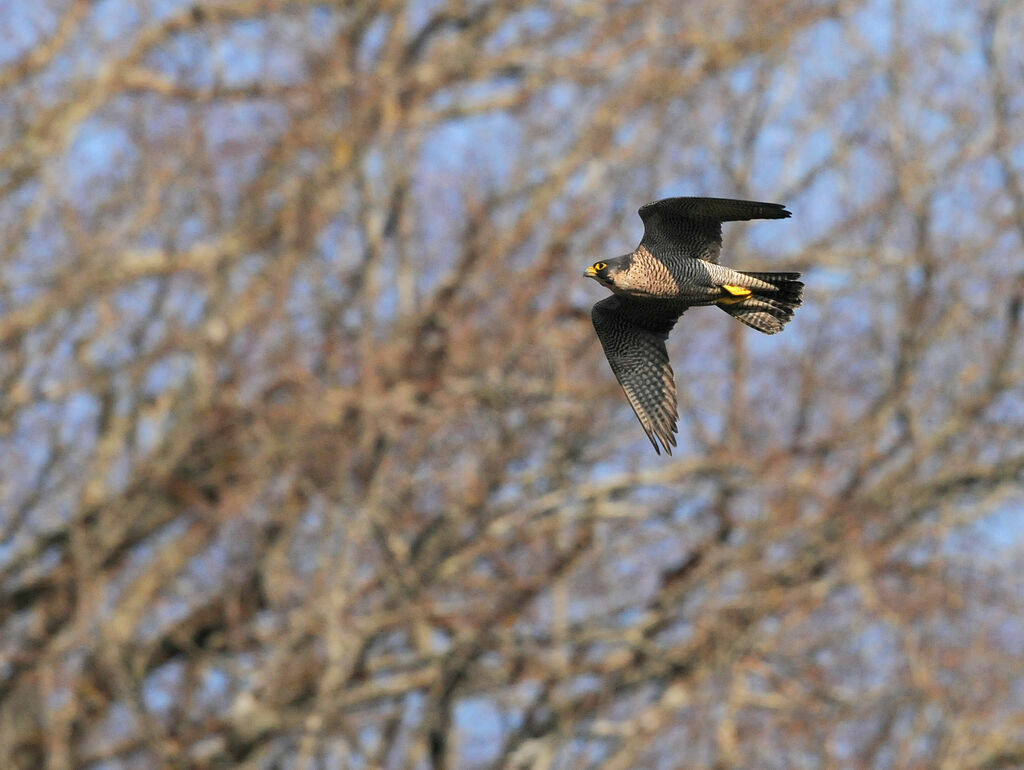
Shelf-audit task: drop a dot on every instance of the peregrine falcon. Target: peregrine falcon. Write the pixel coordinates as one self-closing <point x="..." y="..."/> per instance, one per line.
<point x="674" y="268"/>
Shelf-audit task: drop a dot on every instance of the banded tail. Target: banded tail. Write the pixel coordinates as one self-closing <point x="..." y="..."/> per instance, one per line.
<point x="768" y="304"/>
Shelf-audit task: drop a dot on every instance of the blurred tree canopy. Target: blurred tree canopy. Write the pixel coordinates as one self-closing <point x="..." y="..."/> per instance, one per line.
<point x="309" y="456"/>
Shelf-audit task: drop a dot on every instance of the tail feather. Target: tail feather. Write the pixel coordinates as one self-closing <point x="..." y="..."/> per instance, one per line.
<point x="770" y="307"/>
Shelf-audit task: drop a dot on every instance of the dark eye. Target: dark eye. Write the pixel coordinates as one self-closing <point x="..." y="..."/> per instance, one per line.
<point x="600" y="265"/>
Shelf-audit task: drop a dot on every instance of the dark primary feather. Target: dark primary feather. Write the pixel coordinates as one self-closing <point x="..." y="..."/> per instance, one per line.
<point x="717" y="209"/>
<point x="693" y="226"/>
<point x="633" y="334"/>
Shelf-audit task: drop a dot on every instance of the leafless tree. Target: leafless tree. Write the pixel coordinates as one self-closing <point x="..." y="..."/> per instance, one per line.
<point x="309" y="455"/>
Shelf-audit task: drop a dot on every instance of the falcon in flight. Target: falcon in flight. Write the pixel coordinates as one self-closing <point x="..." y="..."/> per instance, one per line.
<point x="674" y="268"/>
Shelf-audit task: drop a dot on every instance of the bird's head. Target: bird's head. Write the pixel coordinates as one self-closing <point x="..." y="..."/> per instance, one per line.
<point x="604" y="272"/>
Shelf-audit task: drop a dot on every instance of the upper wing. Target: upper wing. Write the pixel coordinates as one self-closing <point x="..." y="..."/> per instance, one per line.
<point x="633" y="337"/>
<point x="692" y="227"/>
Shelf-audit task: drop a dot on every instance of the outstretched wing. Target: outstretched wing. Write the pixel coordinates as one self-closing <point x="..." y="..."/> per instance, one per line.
<point x="633" y="336"/>
<point x="692" y="227"/>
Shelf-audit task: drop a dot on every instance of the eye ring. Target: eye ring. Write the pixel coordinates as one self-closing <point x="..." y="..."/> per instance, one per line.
<point x="599" y="265"/>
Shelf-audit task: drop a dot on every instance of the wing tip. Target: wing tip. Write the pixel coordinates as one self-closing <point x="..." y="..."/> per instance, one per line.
<point x="662" y="439"/>
<point x="773" y="210"/>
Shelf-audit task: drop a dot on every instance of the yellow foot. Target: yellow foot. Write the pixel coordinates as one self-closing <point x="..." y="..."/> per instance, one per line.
<point x="738" y="294"/>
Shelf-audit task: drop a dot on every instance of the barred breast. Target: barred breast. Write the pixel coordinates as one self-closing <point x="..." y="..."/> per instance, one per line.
<point x="678" y="279"/>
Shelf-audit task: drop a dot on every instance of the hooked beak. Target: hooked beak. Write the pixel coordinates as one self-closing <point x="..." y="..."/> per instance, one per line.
<point x="590" y="272"/>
